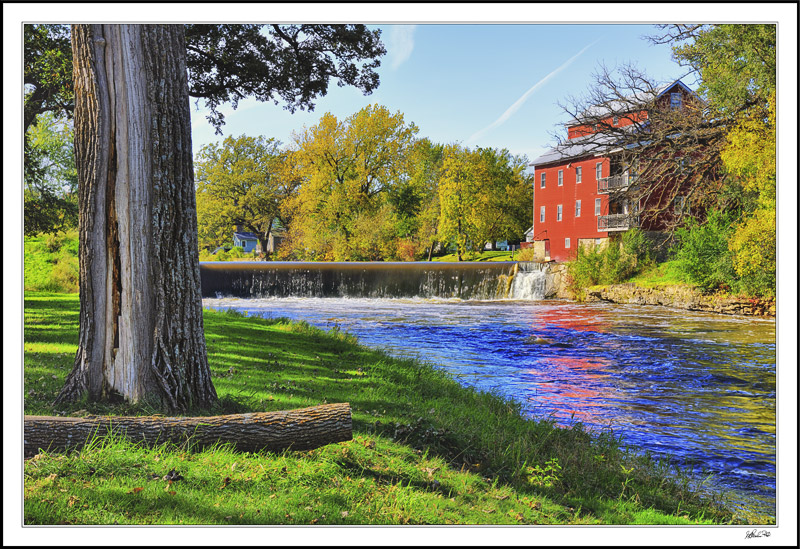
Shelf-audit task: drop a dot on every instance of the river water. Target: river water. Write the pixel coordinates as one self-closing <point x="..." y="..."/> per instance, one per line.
<point x="696" y="388"/>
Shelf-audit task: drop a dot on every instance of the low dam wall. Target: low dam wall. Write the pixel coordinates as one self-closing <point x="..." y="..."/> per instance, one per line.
<point x="463" y="280"/>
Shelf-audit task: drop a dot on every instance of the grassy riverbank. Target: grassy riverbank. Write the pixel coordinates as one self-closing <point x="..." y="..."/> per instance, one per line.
<point x="480" y="256"/>
<point x="425" y="450"/>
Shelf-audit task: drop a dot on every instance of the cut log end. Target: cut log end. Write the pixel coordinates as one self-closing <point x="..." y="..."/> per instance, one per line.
<point x="300" y="429"/>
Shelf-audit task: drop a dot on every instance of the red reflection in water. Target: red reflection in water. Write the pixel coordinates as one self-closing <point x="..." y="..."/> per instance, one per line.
<point x="576" y="388"/>
<point x="571" y="318"/>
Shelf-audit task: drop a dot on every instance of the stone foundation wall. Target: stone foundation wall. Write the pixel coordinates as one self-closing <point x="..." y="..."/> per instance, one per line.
<point x="558" y="282"/>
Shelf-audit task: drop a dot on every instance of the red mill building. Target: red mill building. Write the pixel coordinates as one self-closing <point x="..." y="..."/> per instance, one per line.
<point x="579" y="187"/>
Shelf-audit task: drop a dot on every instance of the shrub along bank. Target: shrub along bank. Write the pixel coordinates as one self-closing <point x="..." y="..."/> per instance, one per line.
<point x="425" y="450"/>
<point x="696" y="274"/>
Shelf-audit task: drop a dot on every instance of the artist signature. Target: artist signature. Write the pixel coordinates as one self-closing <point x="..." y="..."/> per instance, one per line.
<point x="756" y="534"/>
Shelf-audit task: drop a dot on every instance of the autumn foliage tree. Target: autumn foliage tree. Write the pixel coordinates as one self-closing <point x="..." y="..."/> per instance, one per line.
<point x="463" y="200"/>
<point x="736" y="65"/>
<point x="347" y="169"/>
<point x="484" y="195"/>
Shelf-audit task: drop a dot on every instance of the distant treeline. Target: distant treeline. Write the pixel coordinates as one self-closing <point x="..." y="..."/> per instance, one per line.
<point x="365" y="188"/>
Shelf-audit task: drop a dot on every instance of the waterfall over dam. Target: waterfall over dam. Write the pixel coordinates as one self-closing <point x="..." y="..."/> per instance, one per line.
<point x="464" y="280"/>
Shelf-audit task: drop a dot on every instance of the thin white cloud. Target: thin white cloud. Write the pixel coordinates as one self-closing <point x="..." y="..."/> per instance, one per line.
<point x="519" y="102"/>
<point x="401" y="43"/>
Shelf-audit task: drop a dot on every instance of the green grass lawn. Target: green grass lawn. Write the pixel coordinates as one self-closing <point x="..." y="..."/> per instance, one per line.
<point x="424" y="451"/>
<point x="480" y="256"/>
<point x="51" y="262"/>
<point x="662" y="274"/>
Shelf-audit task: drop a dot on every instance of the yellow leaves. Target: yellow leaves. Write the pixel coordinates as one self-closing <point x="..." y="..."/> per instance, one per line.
<point x="754" y="243"/>
<point x="750" y="152"/>
<point x="346" y="168"/>
<point x="466" y="198"/>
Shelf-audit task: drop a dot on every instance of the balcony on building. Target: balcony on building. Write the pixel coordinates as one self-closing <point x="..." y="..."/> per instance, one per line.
<point x="617" y="222"/>
<point x="616" y="183"/>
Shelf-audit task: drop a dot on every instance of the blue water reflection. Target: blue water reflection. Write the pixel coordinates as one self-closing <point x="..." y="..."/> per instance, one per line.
<point x="697" y="388"/>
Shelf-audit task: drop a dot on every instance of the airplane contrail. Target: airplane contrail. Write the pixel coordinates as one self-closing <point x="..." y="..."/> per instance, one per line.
<point x="519" y="102"/>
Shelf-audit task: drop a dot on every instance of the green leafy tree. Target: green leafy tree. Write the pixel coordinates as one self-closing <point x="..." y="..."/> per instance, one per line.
<point x="484" y="195"/>
<point x="48" y="102"/>
<point x="292" y="64"/>
<point x="735" y="62"/>
<point x="51" y="179"/>
<point x="47" y="73"/>
<point x="239" y="183"/>
<point x="703" y="253"/>
<point x="415" y="200"/>
<point x="510" y="194"/>
<point x="289" y="64"/>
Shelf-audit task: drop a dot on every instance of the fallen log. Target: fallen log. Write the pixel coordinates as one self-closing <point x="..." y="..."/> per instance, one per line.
<point x="301" y="429"/>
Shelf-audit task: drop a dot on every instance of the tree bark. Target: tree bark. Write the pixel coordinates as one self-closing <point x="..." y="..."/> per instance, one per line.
<point x="141" y="326"/>
<point x="302" y="429"/>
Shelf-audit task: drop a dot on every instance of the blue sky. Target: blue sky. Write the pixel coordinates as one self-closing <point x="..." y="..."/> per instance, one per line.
<point x="489" y="85"/>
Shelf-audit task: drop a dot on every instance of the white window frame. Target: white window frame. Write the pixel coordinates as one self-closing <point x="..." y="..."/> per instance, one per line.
<point x="543" y="178"/>
<point x="577" y="208"/>
<point x="578" y="174"/>
<point x="598" y="171"/>
<point x="559" y="212"/>
<point x="615" y="121"/>
<point x="541" y="214"/>
<point x="560" y="178"/>
<point x="598" y="205"/>
<point x="675" y="100"/>
<point x="567" y="243"/>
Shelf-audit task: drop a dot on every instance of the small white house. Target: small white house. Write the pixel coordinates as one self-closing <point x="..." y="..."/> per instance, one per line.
<point x="529" y="234"/>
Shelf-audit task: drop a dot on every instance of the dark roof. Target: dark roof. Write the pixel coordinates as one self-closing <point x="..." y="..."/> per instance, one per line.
<point x="245" y="236"/>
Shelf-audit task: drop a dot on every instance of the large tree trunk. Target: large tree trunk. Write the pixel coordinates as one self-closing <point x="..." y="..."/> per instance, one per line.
<point x="141" y="326"/>
<point x="302" y="429"/>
